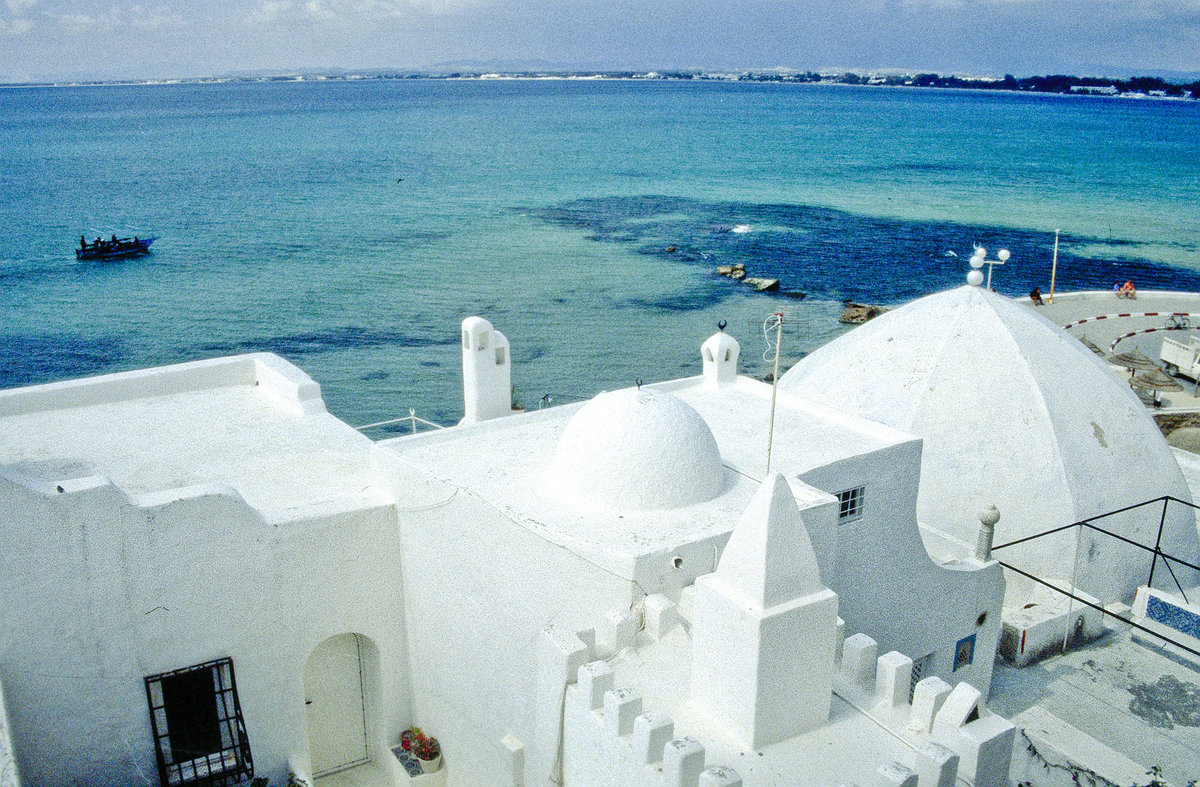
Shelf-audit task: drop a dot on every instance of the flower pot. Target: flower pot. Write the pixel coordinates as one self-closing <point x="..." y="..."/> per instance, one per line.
<point x="431" y="766"/>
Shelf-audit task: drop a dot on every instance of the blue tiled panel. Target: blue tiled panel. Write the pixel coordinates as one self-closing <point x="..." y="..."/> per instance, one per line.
<point x="1173" y="616"/>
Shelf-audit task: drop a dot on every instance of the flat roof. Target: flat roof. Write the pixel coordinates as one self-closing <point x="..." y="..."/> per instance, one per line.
<point x="254" y="423"/>
<point x="503" y="461"/>
<point x="1069" y="308"/>
<point x="1123" y="690"/>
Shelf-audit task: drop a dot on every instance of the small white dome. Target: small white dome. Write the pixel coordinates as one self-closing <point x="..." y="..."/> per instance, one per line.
<point x="636" y="449"/>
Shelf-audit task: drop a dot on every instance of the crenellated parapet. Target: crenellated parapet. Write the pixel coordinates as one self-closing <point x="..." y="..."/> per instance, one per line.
<point x="590" y="731"/>
<point x="749" y="661"/>
<point x="949" y="729"/>
<point x="609" y="738"/>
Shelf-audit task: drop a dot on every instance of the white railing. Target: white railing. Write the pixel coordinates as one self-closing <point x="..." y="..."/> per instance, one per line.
<point x="412" y="418"/>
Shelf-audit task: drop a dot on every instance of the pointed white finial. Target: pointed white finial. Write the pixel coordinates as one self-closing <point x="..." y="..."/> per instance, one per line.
<point x="764" y="608"/>
<point x="770" y="559"/>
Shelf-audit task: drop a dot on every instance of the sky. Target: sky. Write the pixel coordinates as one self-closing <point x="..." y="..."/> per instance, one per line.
<point x="120" y="39"/>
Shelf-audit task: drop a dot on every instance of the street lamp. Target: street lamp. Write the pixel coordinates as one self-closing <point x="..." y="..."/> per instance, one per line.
<point x="979" y="259"/>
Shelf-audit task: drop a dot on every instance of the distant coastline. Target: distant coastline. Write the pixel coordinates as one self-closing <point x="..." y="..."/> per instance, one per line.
<point x="1062" y="84"/>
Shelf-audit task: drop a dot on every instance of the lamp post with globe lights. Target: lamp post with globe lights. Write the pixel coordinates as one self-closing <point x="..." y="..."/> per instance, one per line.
<point x="975" y="276"/>
<point x="979" y="259"/>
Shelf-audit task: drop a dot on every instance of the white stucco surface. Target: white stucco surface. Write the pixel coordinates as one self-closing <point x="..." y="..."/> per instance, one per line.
<point x="487" y="371"/>
<point x="875" y="562"/>
<point x="162" y="518"/>
<point x="764" y="613"/>
<point x="848" y="748"/>
<point x="1014" y="412"/>
<point x="636" y="449"/>
<point x="238" y="430"/>
<point x="506" y="461"/>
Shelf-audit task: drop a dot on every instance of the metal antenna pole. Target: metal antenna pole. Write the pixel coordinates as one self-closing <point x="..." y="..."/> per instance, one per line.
<point x="1054" y="266"/>
<point x="774" y="386"/>
<point x="1071" y="595"/>
<point x="1162" y="520"/>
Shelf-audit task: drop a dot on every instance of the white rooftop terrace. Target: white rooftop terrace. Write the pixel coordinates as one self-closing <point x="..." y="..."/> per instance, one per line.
<point x="253" y="423"/>
<point x="1123" y="690"/>
<point x="1071" y="307"/>
<point x="504" y="461"/>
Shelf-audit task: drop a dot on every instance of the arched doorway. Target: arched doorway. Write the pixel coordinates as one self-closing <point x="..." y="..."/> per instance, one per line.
<point x="334" y="704"/>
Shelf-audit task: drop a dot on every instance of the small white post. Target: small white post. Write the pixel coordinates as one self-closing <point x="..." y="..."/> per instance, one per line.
<point x="989" y="515"/>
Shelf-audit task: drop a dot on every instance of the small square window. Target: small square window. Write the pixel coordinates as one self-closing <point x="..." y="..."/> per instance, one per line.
<point x="198" y="727"/>
<point x="850" y="503"/>
<point x="964" y="652"/>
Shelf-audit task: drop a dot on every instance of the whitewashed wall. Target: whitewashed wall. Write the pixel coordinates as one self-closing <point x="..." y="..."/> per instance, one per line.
<point x="480" y="589"/>
<point x="100" y="590"/>
<point x="887" y="585"/>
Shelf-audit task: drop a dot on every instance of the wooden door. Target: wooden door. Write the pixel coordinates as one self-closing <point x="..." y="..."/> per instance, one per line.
<point x="333" y="696"/>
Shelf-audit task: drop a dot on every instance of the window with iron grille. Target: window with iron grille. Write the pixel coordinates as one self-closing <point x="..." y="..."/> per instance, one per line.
<point x="198" y="727"/>
<point x="920" y="670"/>
<point x="850" y="503"/>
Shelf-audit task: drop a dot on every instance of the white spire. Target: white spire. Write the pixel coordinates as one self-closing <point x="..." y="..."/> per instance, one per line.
<point x="769" y="559"/>
<point x="763" y="627"/>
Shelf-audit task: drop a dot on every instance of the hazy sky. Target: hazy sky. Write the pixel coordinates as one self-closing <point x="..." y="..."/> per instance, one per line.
<point x="120" y="38"/>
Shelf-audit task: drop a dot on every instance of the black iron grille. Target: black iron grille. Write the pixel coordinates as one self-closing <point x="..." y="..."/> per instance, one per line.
<point x="198" y="728"/>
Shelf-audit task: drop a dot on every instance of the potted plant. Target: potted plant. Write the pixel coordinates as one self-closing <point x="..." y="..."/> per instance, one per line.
<point x="427" y="750"/>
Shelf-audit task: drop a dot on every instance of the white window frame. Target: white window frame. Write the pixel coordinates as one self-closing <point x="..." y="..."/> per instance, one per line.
<point x="851" y="504"/>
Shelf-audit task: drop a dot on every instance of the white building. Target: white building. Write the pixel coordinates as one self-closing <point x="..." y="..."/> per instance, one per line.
<point x="170" y="518"/>
<point x="491" y="583"/>
<point x="1013" y="412"/>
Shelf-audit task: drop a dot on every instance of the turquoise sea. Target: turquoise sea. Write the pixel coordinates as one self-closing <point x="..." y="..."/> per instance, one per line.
<point x="350" y="225"/>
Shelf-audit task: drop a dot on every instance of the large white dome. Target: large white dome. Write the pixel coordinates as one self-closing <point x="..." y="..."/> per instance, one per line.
<point x="636" y="449"/>
<point x="1013" y="411"/>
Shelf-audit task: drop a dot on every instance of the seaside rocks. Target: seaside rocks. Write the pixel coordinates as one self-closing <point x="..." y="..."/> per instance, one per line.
<point x="858" y="313"/>
<point x="737" y="271"/>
